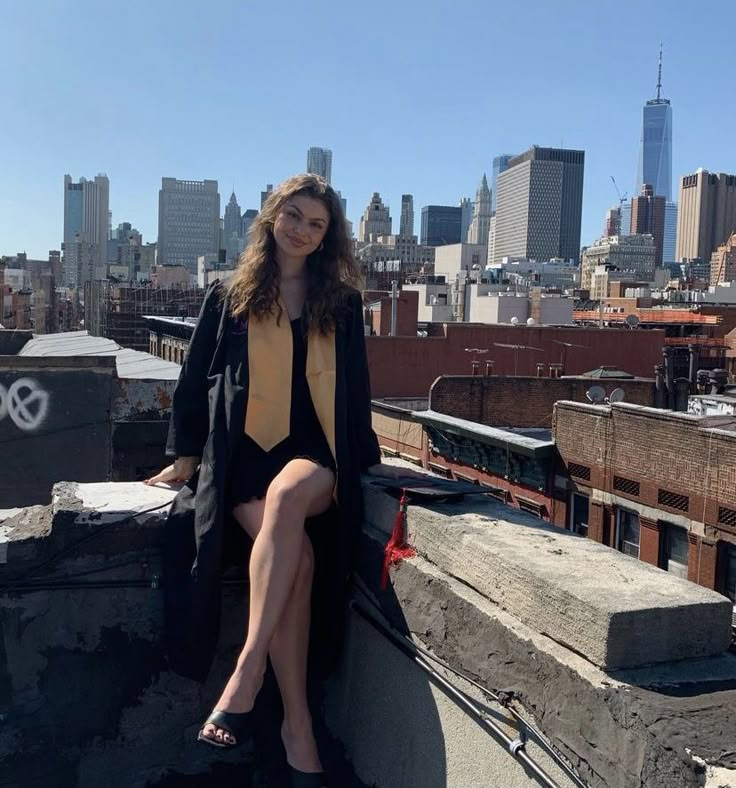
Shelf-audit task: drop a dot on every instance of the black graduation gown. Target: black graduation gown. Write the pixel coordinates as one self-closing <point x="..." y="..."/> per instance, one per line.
<point x="207" y="420"/>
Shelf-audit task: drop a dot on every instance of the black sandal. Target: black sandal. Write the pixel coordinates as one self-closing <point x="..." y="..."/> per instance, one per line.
<point x="307" y="779"/>
<point x="237" y="724"/>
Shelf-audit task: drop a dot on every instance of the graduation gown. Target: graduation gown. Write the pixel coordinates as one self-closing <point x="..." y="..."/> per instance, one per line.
<point x="207" y="420"/>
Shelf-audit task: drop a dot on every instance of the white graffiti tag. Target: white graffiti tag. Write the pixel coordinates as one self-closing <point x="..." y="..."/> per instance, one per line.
<point x="25" y="402"/>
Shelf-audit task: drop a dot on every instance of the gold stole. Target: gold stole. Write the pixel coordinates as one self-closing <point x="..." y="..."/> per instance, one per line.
<point x="270" y="360"/>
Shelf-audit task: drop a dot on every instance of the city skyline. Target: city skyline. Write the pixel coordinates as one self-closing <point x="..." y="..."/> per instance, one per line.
<point x="260" y="136"/>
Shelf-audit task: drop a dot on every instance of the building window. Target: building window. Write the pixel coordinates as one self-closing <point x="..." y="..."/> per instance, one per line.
<point x="579" y="510"/>
<point x="730" y="559"/>
<point x="675" y="549"/>
<point x="627" y="532"/>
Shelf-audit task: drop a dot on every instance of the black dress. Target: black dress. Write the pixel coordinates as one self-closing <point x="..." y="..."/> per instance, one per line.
<point x="252" y="469"/>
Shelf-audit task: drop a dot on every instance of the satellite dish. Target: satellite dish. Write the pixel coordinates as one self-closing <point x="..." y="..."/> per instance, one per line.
<point x="595" y="394"/>
<point x="632" y="321"/>
<point x="531" y="321"/>
<point x="617" y="395"/>
<point x="514" y="321"/>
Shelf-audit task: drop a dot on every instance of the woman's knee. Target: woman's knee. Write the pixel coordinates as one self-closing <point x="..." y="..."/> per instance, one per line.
<point x="285" y="493"/>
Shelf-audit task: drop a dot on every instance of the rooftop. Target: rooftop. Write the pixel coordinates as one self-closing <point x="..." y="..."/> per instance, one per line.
<point x="129" y="363"/>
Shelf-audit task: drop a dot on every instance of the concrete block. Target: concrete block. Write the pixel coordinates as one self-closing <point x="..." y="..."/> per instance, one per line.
<point x="614" y="610"/>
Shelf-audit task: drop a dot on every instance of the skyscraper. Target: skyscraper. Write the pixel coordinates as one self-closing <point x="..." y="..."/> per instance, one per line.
<point x="647" y="216"/>
<point x="539" y="205"/>
<point x="86" y="208"/>
<point x="264" y="195"/>
<point x="188" y="221"/>
<point x="319" y="162"/>
<point x="466" y="214"/>
<point x="707" y="214"/>
<point x="441" y="225"/>
<point x="376" y="220"/>
<point x="479" y="227"/>
<point x="233" y="229"/>
<point x="500" y="164"/>
<point x="655" y="153"/>
<point x="406" y="221"/>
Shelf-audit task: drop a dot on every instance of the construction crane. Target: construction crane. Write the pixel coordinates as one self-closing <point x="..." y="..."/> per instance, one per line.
<point x="621" y="200"/>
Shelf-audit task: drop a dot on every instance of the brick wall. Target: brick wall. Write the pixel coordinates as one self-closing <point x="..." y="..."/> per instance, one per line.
<point x="398" y="433"/>
<point x="521" y="401"/>
<point x="679" y="466"/>
<point x="406" y="366"/>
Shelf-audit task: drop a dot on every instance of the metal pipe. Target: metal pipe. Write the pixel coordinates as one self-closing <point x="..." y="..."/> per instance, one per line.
<point x="514" y="746"/>
<point x="394" y="302"/>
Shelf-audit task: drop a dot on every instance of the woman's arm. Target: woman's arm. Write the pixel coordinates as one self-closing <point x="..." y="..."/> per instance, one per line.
<point x="189" y="423"/>
<point x="359" y="387"/>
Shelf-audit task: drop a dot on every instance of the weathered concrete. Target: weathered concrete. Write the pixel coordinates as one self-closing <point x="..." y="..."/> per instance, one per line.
<point x="85" y="697"/>
<point x="614" y="610"/>
<point x="668" y="726"/>
<point x="651" y="728"/>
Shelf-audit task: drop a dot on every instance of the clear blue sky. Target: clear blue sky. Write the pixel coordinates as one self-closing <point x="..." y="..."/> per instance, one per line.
<point x="411" y="95"/>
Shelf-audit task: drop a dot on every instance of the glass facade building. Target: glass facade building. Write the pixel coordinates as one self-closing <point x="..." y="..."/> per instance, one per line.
<point x="441" y="225"/>
<point x="655" y="153"/>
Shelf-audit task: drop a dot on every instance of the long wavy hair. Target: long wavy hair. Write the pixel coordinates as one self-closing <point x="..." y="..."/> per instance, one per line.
<point x="331" y="270"/>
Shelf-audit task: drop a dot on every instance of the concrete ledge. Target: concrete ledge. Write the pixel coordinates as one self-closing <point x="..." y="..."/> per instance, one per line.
<point x="616" y="611"/>
<point x="669" y="726"/>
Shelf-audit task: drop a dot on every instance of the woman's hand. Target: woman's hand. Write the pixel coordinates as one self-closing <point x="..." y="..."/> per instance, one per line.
<point x="181" y="470"/>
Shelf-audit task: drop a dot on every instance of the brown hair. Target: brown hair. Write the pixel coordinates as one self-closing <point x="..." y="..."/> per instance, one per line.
<point x="254" y="287"/>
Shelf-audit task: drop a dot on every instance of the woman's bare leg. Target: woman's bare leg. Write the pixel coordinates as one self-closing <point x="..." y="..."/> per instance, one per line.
<point x="302" y="489"/>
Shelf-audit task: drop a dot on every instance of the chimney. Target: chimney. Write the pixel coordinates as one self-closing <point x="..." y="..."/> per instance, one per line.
<point x="489" y="368"/>
<point x="475" y="365"/>
<point x="540" y="370"/>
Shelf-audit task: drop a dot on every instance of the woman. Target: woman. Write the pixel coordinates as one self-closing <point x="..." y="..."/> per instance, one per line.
<point x="273" y="407"/>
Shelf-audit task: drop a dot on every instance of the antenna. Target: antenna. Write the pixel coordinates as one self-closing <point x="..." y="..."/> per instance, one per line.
<point x="617" y="395"/>
<point x="659" y="73"/>
<point x="632" y="321"/>
<point x="595" y="394"/>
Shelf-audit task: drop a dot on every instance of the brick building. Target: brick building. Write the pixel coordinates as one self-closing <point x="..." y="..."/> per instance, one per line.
<point x="407" y="366"/>
<point x="655" y="484"/>
<point x="493" y="431"/>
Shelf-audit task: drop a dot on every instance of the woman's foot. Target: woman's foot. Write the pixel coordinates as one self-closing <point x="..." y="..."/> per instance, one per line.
<point x="238" y="696"/>
<point x="300" y="745"/>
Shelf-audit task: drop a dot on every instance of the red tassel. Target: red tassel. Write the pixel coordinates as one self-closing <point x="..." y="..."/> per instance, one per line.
<point x="396" y="548"/>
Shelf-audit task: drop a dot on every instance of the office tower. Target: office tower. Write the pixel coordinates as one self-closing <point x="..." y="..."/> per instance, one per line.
<point x="706" y="214"/>
<point x="233" y="230"/>
<point x="188" y="221"/>
<point x="655" y="152"/>
<point x="466" y="218"/>
<point x="631" y="256"/>
<point x="86" y="209"/>
<point x="500" y="164"/>
<point x="124" y="250"/>
<point x="613" y="222"/>
<point x="376" y="220"/>
<point x="669" y="245"/>
<point x="625" y="228"/>
<point x="539" y="205"/>
<point x="647" y="216"/>
<point x="723" y="262"/>
<point x="441" y="225"/>
<point x="480" y="226"/>
<point x="247" y="221"/>
<point x="319" y="162"/>
<point x="406" y="222"/>
<point x="264" y="195"/>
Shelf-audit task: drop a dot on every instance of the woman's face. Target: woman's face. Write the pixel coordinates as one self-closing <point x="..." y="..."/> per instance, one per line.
<point x="301" y="225"/>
